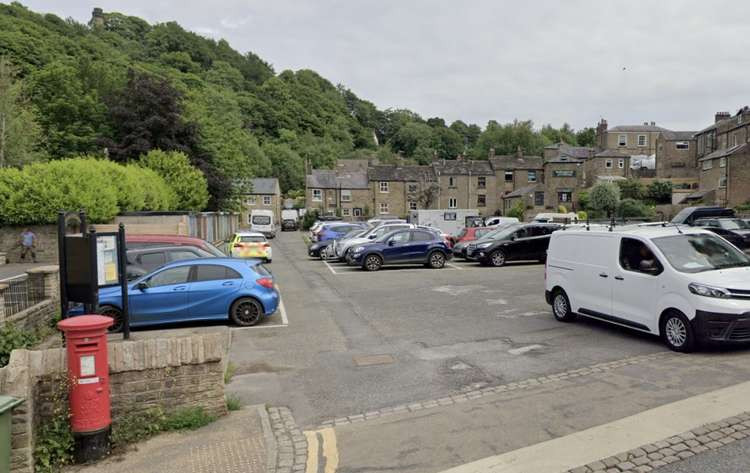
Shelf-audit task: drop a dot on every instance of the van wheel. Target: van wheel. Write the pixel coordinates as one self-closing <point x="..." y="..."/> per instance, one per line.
<point x="497" y="258"/>
<point x="436" y="260"/>
<point x="677" y="332"/>
<point x="373" y="262"/>
<point x="246" y="312"/>
<point x="561" y="307"/>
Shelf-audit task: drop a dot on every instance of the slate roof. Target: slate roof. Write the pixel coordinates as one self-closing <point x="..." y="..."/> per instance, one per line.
<point x="636" y="128"/>
<point x="330" y="179"/>
<point x="463" y="167"/>
<point x="580" y="152"/>
<point x="524" y="190"/>
<point x="516" y="162"/>
<point x="262" y="185"/>
<point x="352" y="165"/>
<point x="393" y="172"/>
<point x="678" y="135"/>
<point x="721" y="153"/>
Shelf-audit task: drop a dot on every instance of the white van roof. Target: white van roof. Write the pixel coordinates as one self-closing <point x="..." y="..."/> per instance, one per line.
<point x="643" y="231"/>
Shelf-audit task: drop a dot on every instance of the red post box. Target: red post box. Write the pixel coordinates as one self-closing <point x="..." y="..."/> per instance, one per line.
<point x="88" y="376"/>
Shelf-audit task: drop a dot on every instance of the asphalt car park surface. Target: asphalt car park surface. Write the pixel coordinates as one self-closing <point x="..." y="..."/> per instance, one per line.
<point x="358" y="341"/>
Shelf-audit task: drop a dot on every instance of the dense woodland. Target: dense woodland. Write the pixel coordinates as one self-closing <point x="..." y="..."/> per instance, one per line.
<point x="122" y="89"/>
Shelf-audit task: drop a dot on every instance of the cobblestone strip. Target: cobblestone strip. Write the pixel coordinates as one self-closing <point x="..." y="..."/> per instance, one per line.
<point x="655" y="455"/>
<point x="486" y="391"/>
<point x="291" y="452"/>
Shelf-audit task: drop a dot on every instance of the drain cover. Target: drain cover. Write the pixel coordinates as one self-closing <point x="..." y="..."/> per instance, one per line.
<point x="370" y="360"/>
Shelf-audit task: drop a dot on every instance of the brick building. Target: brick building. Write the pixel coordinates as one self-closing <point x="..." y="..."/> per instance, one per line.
<point x="723" y="155"/>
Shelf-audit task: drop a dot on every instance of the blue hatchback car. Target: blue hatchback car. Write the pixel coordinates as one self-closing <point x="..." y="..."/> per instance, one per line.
<point x="240" y="290"/>
<point x="402" y="246"/>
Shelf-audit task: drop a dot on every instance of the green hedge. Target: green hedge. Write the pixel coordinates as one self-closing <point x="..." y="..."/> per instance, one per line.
<point x="35" y="193"/>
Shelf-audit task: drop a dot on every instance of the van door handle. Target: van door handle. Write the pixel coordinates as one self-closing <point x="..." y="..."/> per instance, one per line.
<point x="619" y="278"/>
<point x="602" y="275"/>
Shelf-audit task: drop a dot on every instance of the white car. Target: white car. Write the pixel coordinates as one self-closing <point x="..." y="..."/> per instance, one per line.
<point x="683" y="284"/>
<point x="494" y="221"/>
<point x="368" y="237"/>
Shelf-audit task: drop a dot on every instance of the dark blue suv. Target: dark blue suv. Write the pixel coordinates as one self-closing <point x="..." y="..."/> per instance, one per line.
<point x="401" y="247"/>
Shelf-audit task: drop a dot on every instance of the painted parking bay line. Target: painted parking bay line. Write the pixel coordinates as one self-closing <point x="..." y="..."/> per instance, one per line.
<point x="322" y="451"/>
<point x="330" y="268"/>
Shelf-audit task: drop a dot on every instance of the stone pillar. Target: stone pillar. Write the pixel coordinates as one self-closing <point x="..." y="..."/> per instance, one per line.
<point x="44" y="282"/>
<point x="3" y="287"/>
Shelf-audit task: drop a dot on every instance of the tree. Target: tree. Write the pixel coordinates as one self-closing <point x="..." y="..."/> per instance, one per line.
<point x="604" y="197"/>
<point x="286" y="165"/>
<point x="586" y="137"/>
<point x="631" y="189"/>
<point x="20" y="134"/>
<point x="517" y="211"/>
<point x="583" y="200"/>
<point x="188" y="183"/>
<point x="660" y="192"/>
<point x="507" y="138"/>
<point x="411" y="137"/>
<point x="633" y="208"/>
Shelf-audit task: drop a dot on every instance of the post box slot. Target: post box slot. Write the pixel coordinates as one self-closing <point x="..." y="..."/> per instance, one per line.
<point x="87" y="345"/>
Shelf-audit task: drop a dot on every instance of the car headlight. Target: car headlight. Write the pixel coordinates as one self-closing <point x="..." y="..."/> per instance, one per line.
<point x="709" y="291"/>
<point x="484" y="245"/>
<point x="359" y="249"/>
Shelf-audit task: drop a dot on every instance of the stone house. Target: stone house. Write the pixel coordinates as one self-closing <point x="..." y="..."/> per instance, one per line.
<point x="564" y="178"/>
<point x="516" y="171"/>
<point x="723" y="154"/>
<point x="676" y="153"/>
<point x="338" y="192"/>
<point x="608" y="162"/>
<point x="531" y="196"/>
<point x="628" y="139"/>
<point x="265" y="195"/>
<point x="397" y="189"/>
<point x="467" y="184"/>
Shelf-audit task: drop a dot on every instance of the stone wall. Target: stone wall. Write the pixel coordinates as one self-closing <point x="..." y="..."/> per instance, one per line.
<point x="165" y="372"/>
<point x="46" y="250"/>
<point x="40" y="289"/>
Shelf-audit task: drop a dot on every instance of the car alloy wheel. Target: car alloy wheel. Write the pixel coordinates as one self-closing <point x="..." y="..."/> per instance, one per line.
<point x="497" y="258"/>
<point x="115" y="313"/>
<point x="676" y="332"/>
<point x="246" y="312"/>
<point x="437" y="260"/>
<point x="373" y="263"/>
<point x="560" y="306"/>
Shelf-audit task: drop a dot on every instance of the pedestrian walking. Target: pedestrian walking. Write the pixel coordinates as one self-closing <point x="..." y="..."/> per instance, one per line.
<point x="28" y="244"/>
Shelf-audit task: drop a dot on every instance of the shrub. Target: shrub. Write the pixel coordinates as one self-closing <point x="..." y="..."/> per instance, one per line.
<point x="634" y="208"/>
<point x="517" y="211"/>
<point x="309" y="219"/>
<point x="582" y="216"/>
<point x="11" y="338"/>
<point x="562" y="209"/>
<point x="188" y="182"/>
<point x="604" y="197"/>
<point x="660" y="192"/>
<point x="631" y="189"/>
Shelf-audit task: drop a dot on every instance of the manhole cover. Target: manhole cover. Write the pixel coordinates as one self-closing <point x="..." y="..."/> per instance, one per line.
<point x="370" y="360"/>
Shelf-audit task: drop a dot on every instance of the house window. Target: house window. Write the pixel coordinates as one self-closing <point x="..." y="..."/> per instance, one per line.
<point x="317" y="195"/>
<point x="682" y="145"/>
<point x="733" y="141"/>
<point x="708" y="164"/>
<point x="452" y="203"/>
<point x="383" y="208"/>
<point x="481" y="200"/>
<point x="622" y="140"/>
<point x="384" y="187"/>
<point x="508" y="176"/>
<point x="608" y="164"/>
<point x="412" y="188"/>
<point x="722" y="181"/>
<point x="357" y="212"/>
<point x="564" y="196"/>
<point x="346" y="212"/>
<point x="346" y="195"/>
<point x="451" y="182"/>
<point x="722" y="162"/>
<point x="481" y="182"/>
<point x="539" y="198"/>
<point x="412" y="205"/>
<point x="531" y="176"/>
<point x="564" y="173"/>
<point x="252" y="200"/>
<point x="266" y="200"/>
<point x="642" y="140"/>
<point x="621" y="163"/>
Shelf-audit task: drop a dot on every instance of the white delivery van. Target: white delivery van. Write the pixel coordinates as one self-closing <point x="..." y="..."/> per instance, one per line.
<point x="289" y="219"/>
<point x="449" y="221"/>
<point x="570" y="217"/>
<point x="494" y="221"/>
<point x="683" y="284"/>
<point x="262" y="221"/>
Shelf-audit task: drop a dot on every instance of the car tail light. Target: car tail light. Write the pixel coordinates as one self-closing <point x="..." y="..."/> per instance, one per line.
<point x="265" y="282"/>
<point x="266" y="245"/>
<point x="238" y="245"/>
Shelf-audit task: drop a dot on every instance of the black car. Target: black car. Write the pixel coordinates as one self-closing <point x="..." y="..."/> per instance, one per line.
<point x="141" y="261"/>
<point x="689" y="215"/>
<point x="515" y="243"/>
<point x="736" y="231"/>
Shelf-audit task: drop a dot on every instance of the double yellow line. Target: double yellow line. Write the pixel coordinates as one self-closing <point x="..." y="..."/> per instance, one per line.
<point x="322" y="452"/>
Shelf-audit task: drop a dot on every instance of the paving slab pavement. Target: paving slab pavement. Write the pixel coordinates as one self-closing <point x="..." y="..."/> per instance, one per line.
<point x="242" y="441"/>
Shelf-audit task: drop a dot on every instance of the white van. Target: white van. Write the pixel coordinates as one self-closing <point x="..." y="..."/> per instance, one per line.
<point x="262" y="221"/>
<point x="494" y="221"/>
<point x="570" y="217"/>
<point x="681" y="283"/>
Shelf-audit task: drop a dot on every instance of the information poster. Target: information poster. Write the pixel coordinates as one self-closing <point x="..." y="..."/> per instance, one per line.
<point x="106" y="259"/>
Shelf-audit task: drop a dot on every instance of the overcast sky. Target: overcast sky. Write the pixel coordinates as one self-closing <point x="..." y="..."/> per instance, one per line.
<point x="675" y="62"/>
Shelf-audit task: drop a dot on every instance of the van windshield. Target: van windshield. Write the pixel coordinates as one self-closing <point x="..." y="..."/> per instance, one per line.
<point x="261" y="220"/>
<point x="700" y="252"/>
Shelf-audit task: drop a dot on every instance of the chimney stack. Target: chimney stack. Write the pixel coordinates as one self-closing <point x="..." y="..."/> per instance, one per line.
<point x="721" y="116"/>
<point x="97" y="18"/>
<point x="491" y="153"/>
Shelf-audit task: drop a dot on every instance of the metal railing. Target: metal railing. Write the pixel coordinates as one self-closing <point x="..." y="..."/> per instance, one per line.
<point x="19" y="295"/>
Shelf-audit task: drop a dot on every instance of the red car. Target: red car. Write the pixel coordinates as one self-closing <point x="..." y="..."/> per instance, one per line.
<point x="145" y="241"/>
<point x="473" y="233"/>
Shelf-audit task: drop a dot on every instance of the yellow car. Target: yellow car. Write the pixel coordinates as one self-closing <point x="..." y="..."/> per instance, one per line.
<point x="250" y="245"/>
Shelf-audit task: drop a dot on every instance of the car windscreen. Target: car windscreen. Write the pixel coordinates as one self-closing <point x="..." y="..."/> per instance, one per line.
<point x="252" y="239"/>
<point x="261" y="220"/>
<point x="501" y="233"/>
<point x="695" y="253"/>
<point x="214" y="251"/>
<point x="735" y="224"/>
<point x="354" y="234"/>
<point x="462" y="233"/>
